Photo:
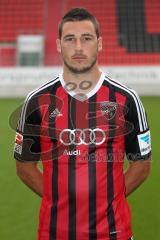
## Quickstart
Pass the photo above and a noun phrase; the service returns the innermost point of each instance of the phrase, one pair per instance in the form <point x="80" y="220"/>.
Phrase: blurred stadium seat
<point x="131" y="29"/>
<point x="19" y="17"/>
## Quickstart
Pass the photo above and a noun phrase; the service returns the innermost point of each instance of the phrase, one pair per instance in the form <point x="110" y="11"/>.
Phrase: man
<point x="81" y="125"/>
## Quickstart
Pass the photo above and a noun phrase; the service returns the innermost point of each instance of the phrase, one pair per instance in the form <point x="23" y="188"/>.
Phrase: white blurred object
<point x="16" y="82"/>
<point x="30" y="50"/>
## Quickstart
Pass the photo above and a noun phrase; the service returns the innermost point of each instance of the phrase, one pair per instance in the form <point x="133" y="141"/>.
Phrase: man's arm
<point x="136" y="174"/>
<point x="31" y="175"/>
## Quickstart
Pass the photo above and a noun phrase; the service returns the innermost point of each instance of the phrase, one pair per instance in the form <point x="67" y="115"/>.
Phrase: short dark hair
<point x="78" y="14"/>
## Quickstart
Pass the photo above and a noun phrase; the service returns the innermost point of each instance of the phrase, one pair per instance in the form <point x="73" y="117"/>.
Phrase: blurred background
<point x="28" y="58"/>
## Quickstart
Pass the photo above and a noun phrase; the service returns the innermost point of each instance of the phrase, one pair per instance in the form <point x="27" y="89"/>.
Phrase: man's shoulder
<point x="122" y="88"/>
<point x="43" y="89"/>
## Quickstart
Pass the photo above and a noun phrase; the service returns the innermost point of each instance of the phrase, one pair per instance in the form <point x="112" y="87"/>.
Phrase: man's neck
<point x="88" y="79"/>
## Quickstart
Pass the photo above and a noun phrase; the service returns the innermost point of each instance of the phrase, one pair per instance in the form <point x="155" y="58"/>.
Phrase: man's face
<point x="79" y="46"/>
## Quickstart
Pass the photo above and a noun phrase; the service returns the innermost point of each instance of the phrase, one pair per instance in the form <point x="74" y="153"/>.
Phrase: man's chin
<point x="79" y="70"/>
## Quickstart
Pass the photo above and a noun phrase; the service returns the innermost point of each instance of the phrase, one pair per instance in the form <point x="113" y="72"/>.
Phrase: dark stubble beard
<point x="82" y="70"/>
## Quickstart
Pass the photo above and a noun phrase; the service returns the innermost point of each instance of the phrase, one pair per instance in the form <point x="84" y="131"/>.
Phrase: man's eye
<point x="69" y="39"/>
<point x="87" y="38"/>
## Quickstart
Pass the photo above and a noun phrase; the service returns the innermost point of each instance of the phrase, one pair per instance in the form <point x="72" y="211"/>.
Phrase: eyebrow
<point x="68" y="35"/>
<point x="83" y="35"/>
<point x="88" y="34"/>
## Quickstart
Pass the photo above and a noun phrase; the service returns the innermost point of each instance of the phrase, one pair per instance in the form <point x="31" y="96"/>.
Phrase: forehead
<point x="78" y="28"/>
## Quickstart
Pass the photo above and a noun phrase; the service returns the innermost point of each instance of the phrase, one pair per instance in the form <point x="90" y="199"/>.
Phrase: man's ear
<point x="100" y="44"/>
<point x="58" y="43"/>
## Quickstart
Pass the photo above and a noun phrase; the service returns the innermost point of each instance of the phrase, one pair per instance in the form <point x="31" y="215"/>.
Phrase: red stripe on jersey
<point x="46" y="157"/>
<point x="82" y="188"/>
<point x="62" y="206"/>
<point x="101" y="169"/>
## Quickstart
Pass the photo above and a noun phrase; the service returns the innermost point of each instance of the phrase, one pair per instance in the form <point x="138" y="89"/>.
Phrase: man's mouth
<point x="79" y="57"/>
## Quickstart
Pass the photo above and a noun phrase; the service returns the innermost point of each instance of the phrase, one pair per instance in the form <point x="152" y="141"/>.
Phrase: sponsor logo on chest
<point x="70" y="153"/>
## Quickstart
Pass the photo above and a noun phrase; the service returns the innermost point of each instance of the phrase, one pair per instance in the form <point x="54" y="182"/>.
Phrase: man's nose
<point x="78" y="44"/>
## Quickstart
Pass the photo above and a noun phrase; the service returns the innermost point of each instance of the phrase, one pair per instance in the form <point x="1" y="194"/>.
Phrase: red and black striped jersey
<point x="82" y="143"/>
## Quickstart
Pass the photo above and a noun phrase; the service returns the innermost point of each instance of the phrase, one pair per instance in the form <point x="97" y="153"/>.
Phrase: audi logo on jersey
<point x="85" y="136"/>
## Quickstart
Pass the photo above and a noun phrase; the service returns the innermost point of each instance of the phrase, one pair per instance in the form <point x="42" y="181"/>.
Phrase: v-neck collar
<point x="89" y="94"/>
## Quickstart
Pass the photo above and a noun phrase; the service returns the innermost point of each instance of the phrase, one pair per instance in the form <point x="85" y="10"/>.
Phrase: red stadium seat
<point x="121" y="44"/>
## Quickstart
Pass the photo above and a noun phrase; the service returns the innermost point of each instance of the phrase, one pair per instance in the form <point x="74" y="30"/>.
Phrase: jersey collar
<point x="89" y="94"/>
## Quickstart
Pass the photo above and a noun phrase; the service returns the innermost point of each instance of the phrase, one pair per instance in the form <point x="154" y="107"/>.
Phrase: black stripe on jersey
<point x="53" y="220"/>
<point x="110" y="184"/>
<point x="92" y="172"/>
<point x="72" y="172"/>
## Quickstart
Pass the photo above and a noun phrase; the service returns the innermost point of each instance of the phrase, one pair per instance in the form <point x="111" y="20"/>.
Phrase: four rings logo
<point x="85" y="136"/>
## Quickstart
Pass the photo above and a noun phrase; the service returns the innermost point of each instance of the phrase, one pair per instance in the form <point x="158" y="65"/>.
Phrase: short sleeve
<point x="27" y="140"/>
<point x="138" y="140"/>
